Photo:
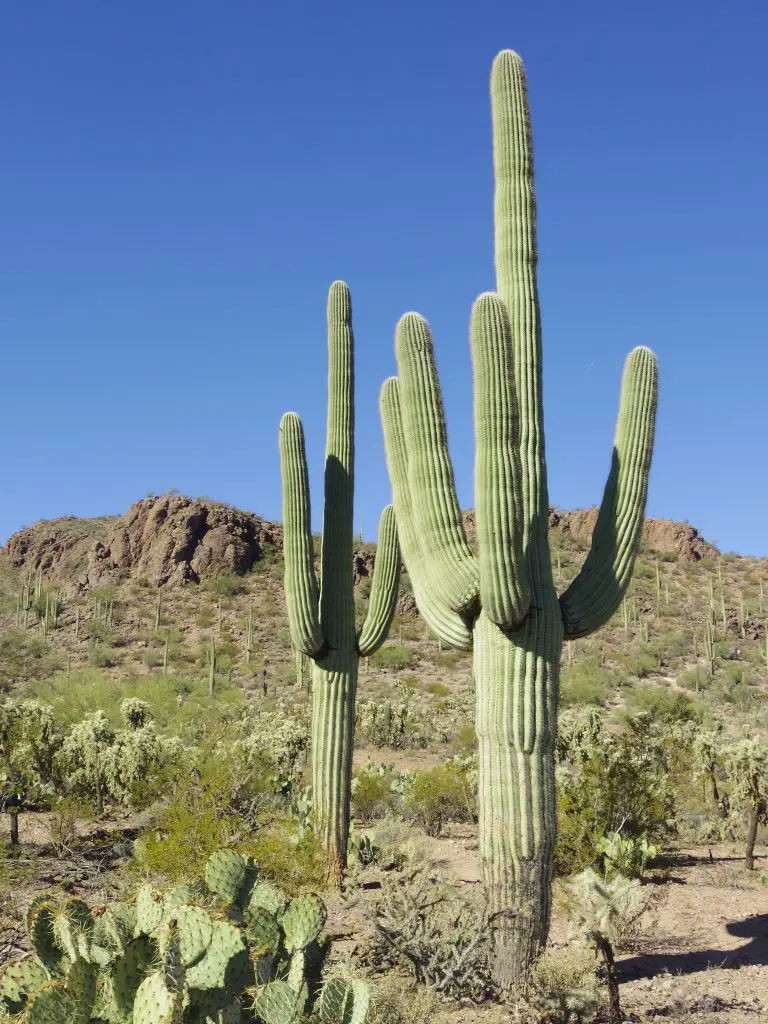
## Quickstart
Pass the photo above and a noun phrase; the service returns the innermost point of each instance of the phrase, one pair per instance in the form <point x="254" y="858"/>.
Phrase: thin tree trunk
<point x="14" y="828"/>
<point x="754" y="820"/>
<point x="614" y="1005"/>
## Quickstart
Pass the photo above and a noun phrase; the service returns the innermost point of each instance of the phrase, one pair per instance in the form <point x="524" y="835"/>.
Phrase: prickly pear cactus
<point x="230" y="951"/>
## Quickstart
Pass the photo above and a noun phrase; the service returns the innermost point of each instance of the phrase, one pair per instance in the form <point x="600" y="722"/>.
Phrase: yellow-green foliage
<point x="445" y="793"/>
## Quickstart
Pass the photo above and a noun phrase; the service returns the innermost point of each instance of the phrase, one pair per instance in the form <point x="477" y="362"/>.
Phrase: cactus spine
<point x="502" y="602"/>
<point x="323" y="624"/>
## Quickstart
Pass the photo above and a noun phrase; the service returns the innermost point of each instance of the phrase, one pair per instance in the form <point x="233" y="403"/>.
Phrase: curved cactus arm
<point x="337" y="609"/>
<point x="516" y="258"/>
<point x="301" y="591"/>
<point x="386" y="579"/>
<point x="442" y="620"/>
<point x="596" y="593"/>
<point x="504" y="590"/>
<point x="435" y="506"/>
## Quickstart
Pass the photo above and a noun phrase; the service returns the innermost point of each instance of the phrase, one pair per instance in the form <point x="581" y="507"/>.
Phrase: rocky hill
<point x="170" y="540"/>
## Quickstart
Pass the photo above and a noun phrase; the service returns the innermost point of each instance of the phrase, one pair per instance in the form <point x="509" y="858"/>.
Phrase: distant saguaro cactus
<point x="502" y="600"/>
<point x="322" y="621"/>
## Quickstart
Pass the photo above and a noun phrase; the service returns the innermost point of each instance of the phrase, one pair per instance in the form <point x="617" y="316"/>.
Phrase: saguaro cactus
<point x="502" y="601"/>
<point x="322" y="621"/>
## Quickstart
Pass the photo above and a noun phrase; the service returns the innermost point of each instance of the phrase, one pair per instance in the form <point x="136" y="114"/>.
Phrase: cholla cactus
<point x="29" y="742"/>
<point x="323" y="623"/>
<point x="602" y="911"/>
<point x="135" y="712"/>
<point x="502" y="601"/>
<point x="747" y="769"/>
<point x="193" y="954"/>
<point x="101" y="763"/>
<point x="283" y="736"/>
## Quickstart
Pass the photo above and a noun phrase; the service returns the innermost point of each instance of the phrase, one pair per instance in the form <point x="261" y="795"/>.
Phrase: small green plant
<point x="445" y="793"/>
<point x="626" y="855"/>
<point x="585" y="683"/>
<point x="374" y="792"/>
<point x="226" y="584"/>
<point x="394" y="657"/>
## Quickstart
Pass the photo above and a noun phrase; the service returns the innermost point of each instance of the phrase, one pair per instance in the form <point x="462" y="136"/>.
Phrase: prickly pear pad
<point x="302" y="921"/>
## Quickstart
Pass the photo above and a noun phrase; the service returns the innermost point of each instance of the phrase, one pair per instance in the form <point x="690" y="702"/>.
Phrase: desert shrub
<point x="564" y="981"/>
<point x="396" y="1000"/>
<point x="437" y="689"/>
<point x="376" y="791"/>
<point x="217" y="804"/>
<point x="100" y="656"/>
<point x="587" y="682"/>
<point x="445" y="793"/>
<point x="179" y="704"/>
<point x="24" y="656"/>
<point x="639" y="663"/>
<point x="663" y="705"/>
<point x="292" y="858"/>
<point x="610" y="783"/>
<point x="431" y="927"/>
<point x="696" y="678"/>
<point x="450" y="659"/>
<point x="62" y="825"/>
<point x="226" y="584"/>
<point x="393" y="657"/>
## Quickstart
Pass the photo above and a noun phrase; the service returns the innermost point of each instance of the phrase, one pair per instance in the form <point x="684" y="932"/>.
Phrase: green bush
<point x="442" y="794"/>
<point x="663" y="705"/>
<point x="587" y="682"/>
<point x="608" y="783"/>
<point x="226" y="584"/>
<point x="372" y="793"/>
<point x="393" y="657"/>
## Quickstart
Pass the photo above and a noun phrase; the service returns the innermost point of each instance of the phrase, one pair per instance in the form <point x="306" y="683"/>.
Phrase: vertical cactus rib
<point x="301" y="591"/>
<point x="430" y="473"/>
<point x="386" y="580"/>
<point x="596" y="593"/>
<point x="442" y="620"/>
<point x="504" y="591"/>
<point x="516" y="258"/>
<point x="337" y="610"/>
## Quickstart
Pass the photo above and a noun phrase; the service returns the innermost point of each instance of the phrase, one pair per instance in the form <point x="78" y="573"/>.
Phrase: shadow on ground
<point x="755" y="951"/>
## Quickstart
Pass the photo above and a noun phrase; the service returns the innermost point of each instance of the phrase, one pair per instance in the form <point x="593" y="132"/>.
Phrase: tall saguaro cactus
<point x="501" y="601"/>
<point x="322" y="618"/>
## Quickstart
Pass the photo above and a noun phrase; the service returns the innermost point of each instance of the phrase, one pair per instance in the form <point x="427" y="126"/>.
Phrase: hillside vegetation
<point x="184" y="684"/>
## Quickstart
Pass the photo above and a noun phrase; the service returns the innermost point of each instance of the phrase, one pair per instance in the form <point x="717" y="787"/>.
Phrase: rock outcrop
<point x="659" y="535"/>
<point x="164" y="540"/>
<point x="172" y="540"/>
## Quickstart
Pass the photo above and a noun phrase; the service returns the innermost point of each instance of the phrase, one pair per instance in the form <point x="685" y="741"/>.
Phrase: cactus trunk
<point x="334" y="685"/>
<point x="516" y="680"/>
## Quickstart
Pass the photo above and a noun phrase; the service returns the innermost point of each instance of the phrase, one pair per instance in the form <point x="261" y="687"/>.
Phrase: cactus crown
<point x="322" y="618"/>
<point x="510" y="574"/>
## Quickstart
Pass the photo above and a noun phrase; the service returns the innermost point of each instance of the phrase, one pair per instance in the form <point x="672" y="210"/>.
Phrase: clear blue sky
<point x="180" y="183"/>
